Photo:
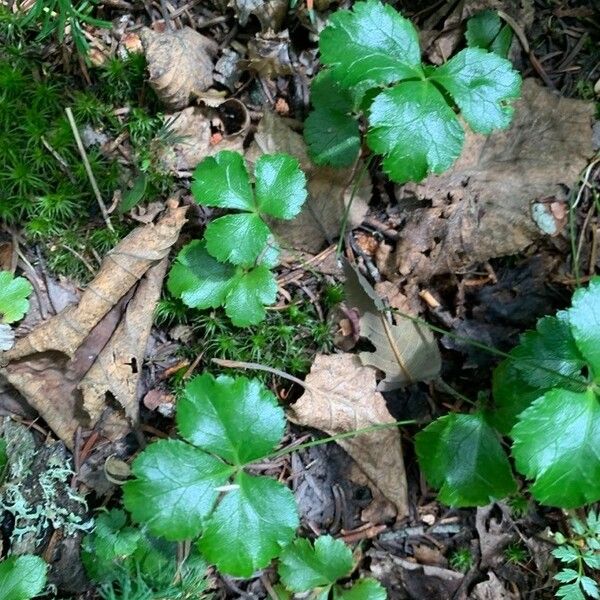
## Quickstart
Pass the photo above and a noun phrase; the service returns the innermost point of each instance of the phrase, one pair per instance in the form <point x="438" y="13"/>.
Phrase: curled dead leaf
<point x="341" y="396"/>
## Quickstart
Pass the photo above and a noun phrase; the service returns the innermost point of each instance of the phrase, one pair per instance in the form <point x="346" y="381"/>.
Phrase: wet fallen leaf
<point x="492" y="589"/>
<point x="179" y="63"/>
<point x="50" y="364"/>
<point x="268" y="54"/>
<point x="329" y="190"/>
<point x="481" y="208"/>
<point x="341" y="396"/>
<point x="270" y="13"/>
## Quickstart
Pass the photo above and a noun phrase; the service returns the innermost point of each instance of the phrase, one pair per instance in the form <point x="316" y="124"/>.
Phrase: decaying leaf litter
<point x="463" y="250"/>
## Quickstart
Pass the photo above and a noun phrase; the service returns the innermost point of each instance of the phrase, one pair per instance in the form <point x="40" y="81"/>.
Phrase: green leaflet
<point x="556" y="442"/>
<point x="304" y="567"/>
<point x="584" y="318"/>
<point x="22" y="577"/>
<point x="485" y="30"/>
<point x="14" y="294"/>
<point x="412" y="123"/>
<point x="462" y="455"/>
<point x="183" y="489"/>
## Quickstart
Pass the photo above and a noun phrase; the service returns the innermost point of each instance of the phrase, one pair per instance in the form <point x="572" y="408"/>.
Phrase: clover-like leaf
<point x="237" y="419"/>
<point x="22" y="577"/>
<point x="238" y="239"/>
<point x="461" y="454"/>
<point x="250" y="525"/>
<point x="584" y="318"/>
<point x="222" y="181"/>
<point x="14" y="294"/>
<point x="280" y="185"/>
<point x="373" y="43"/>
<point x="482" y="84"/>
<point x="364" y="589"/>
<point x="175" y="488"/>
<point x="303" y="567"/>
<point x="556" y="442"/>
<point x="485" y="30"/>
<point x="177" y="485"/>
<point x="201" y="282"/>
<point x="544" y="358"/>
<point x="330" y="130"/>
<point x="416" y="130"/>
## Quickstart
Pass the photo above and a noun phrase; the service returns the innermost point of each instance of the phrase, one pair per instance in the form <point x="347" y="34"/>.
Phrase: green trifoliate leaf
<point x="416" y="130"/>
<point x="556" y="442"/>
<point x="544" y="358"/>
<point x="22" y="577"/>
<point x="462" y="455"/>
<point x="363" y="589"/>
<point x="371" y="44"/>
<point x="303" y="566"/>
<point x="485" y="30"/>
<point x="280" y="185"/>
<point x="250" y="292"/>
<point x="482" y="84"/>
<point x="250" y="525"/>
<point x="331" y="132"/>
<point x="222" y="181"/>
<point x="198" y="279"/>
<point x="238" y="239"/>
<point x="201" y="282"/>
<point x="584" y="317"/>
<point x="14" y="294"/>
<point x="236" y="419"/>
<point x="175" y="488"/>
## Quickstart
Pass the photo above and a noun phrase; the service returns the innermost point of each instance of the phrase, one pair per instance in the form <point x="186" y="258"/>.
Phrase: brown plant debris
<point x="52" y="365"/>
<point x="482" y="207"/>
<point x="180" y="64"/>
<point x="341" y="396"/>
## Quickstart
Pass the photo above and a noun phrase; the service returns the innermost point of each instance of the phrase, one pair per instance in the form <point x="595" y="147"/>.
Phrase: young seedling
<point x="232" y="266"/>
<point x="304" y="567"/>
<point x="373" y="68"/>
<point x="199" y="486"/>
<point x="22" y="577"/>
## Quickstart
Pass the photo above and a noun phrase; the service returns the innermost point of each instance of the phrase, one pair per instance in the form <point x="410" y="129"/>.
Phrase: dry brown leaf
<point x="493" y="589"/>
<point x="268" y="54"/>
<point x="341" y="396"/>
<point x="270" y="13"/>
<point x="179" y="63"/>
<point x="482" y="207"/>
<point x="47" y="365"/>
<point x="193" y="129"/>
<point x="329" y="190"/>
<point x="406" y="352"/>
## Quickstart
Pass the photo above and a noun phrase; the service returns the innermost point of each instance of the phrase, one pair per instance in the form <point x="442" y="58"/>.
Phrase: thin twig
<point x="236" y="364"/>
<point x="88" y="168"/>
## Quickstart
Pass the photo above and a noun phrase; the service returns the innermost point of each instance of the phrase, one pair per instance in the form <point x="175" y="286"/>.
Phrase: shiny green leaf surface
<point x="250" y="292"/>
<point x="363" y="589"/>
<point x="22" y="577"/>
<point x="584" y="317"/>
<point x="14" y="294"/>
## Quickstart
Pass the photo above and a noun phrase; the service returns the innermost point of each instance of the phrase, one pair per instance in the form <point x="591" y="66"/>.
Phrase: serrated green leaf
<point x="584" y="317"/>
<point x="589" y="586"/>
<point x="416" y="130"/>
<point x="373" y="43"/>
<point x="239" y="239"/>
<point x="482" y="29"/>
<point x="571" y="591"/>
<point x="482" y="84"/>
<point x="330" y="130"/>
<point x="14" y="294"/>
<point x="461" y="454"/>
<point x="248" y="295"/>
<point x="175" y="488"/>
<point x="565" y="553"/>
<point x="22" y="577"/>
<point x="556" y="442"/>
<point x="501" y="45"/>
<point x="198" y="279"/>
<point x="363" y="589"/>
<point x="592" y="560"/>
<point x="566" y="575"/>
<point x="237" y="419"/>
<point x="303" y="566"/>
<point x="280" y="185"/>
<point x="222" y="181"/>
<point x="250" y="525"/>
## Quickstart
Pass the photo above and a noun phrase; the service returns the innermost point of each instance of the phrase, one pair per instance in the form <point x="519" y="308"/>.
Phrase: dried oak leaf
<point x="341" y="396"/>
<point x="329" y="190"/>
<point x="482" y="207"/>
<point x="48" y="365"/>
<point x="180" y="64"/>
